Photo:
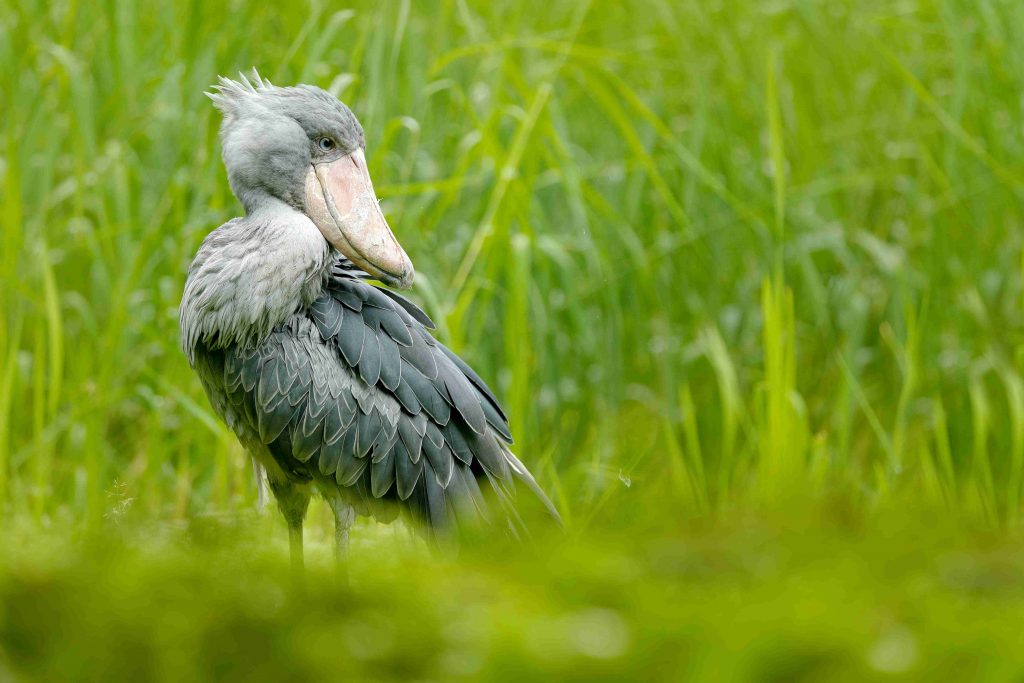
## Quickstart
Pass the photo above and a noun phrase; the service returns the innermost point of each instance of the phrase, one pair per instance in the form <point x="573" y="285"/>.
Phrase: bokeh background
<point x="747" y="276"/>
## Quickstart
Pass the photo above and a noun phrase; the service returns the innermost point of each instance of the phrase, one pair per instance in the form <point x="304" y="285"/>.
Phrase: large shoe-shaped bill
<point x="341" y="203"/>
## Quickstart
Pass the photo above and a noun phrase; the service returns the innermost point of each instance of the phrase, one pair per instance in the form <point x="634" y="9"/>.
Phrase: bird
<point x="334" y="384"/>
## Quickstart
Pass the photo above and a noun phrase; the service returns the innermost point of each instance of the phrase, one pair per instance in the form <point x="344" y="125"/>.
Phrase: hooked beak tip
<point x="402" y="280"/>
<point x="405" y="280"/>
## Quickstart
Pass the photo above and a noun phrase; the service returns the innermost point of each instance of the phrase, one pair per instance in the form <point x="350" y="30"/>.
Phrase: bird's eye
<point x="325" y="144"/>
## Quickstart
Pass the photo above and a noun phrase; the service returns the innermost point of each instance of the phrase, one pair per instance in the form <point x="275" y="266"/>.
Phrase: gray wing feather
<point x="407" y="470"/>
<point x="369" y="363"/>
<point x="351" y="337"/>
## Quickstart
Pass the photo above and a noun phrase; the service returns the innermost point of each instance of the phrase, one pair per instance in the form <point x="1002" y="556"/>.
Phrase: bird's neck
<point x="252" y="274"/>
<point x="257" y="200"/>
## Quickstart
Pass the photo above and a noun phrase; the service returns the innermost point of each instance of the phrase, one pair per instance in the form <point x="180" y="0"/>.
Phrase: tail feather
<point x="524" y="476"/>
<point x="462" y="502"/>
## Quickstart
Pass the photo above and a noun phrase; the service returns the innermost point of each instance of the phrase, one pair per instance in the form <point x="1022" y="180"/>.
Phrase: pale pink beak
<point x="341" y="203"/>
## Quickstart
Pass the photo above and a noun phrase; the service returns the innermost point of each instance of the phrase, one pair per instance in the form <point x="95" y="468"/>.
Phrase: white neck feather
<point x="250" y="275"/>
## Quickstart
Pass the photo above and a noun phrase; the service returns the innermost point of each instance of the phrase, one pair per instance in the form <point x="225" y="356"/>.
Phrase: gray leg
<point x="295" y="547"/>
<point x="260" y="473"/>
<point x="344" y="516"/>
<point x="293" y="501"/>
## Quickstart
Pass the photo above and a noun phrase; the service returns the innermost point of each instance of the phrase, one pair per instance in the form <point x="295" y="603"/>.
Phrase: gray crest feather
<point x="229" y="96"/>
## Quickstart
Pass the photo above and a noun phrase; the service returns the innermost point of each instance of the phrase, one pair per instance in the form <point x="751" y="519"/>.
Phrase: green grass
<point x="731" y="266"/>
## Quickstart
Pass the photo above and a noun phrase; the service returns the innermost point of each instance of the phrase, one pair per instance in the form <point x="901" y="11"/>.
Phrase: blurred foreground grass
<point x="800" y="595"/>
<point x="726" y="263"/>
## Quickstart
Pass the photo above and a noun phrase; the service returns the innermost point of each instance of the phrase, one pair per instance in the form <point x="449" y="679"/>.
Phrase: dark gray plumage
<point x="331" y="383"/>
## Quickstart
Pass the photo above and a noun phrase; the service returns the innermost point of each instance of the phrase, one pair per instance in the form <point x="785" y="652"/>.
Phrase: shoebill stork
<point x="334" y="385"/>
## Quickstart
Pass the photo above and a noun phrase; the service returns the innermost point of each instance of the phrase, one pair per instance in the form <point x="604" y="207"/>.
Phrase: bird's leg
<point x="295" y="548"/>
<point x="344" y="516"/>
<point x="260" y="473"/>
<point x="293" y="501"/>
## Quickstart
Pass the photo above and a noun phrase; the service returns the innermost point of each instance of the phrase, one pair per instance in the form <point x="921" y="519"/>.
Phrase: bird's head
<point x="302" y="146"/>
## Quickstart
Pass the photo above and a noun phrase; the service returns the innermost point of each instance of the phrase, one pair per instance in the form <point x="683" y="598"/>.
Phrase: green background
<point x="746" y="275"/>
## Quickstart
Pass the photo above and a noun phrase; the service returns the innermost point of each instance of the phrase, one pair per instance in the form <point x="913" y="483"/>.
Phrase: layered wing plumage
<point x="357" y="391"/>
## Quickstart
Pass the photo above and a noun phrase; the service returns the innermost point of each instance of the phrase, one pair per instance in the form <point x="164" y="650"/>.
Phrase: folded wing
<point x="357" y="390"/>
